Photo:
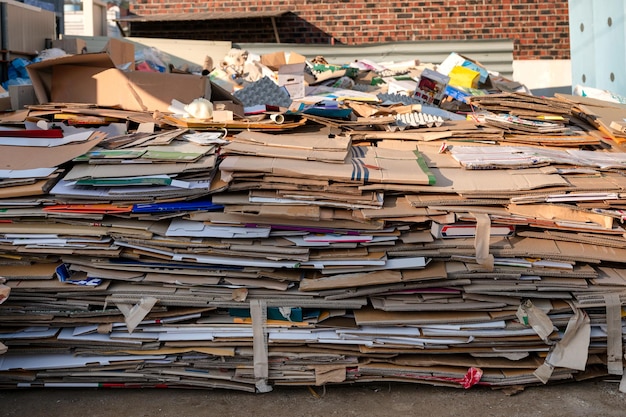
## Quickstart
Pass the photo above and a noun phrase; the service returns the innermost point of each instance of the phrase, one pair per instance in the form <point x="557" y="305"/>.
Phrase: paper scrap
<point x="104" y="328"/>
<point x="285" y="312"/>
<point x="135" y="314"/>
<point x="572" y="350"/>
<point x="329" y="373"/>
<point x="536" y="318"/>
<point x="4" y="293"/>
<point x="239" y="294"/>
<point x="614" y="334"/>
<point x="258" y="313"/>
<point x="481" y="241"/>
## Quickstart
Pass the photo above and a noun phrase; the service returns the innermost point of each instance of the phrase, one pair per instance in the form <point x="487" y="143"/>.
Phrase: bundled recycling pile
<point x="454" y="233"/>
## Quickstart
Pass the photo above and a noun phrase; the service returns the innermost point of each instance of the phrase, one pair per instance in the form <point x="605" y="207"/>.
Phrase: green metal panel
<point x="495" y="55"/>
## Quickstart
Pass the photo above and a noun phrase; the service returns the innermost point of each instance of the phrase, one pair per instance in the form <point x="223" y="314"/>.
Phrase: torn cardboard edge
<point x="258" y="312"/>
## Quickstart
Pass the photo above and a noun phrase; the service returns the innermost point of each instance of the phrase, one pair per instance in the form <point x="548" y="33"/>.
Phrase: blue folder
<point x="176" y="206"/>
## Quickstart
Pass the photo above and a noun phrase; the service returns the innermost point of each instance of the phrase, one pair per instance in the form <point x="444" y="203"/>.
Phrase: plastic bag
<point x="16" y="73"/>
<point x="151" y="60"/>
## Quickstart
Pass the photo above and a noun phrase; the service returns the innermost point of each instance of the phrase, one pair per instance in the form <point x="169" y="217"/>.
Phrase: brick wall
<point x="540" y="29"/>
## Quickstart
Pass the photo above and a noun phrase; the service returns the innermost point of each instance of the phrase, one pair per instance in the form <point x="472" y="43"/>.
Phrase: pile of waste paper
<point x="290" y="221"/>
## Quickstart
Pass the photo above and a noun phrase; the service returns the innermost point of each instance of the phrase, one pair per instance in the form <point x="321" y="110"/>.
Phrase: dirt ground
<point x="590" y="398"/>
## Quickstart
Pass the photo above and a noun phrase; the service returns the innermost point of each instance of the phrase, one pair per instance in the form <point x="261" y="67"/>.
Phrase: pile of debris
<point x="320" y="224"/>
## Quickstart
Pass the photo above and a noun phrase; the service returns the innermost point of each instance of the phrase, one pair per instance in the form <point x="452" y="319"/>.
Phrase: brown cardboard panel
<point x="394" y="207"/>
<point x="81" y="171"/>
<point x="93" y="78"/>
<point x="549" y="249"/>
<point x="467" y="361"/>
<point x="330" y="224"/>
<point x="556" y="212"/>
<point x="277" y="211"/>
<point x="33" y="271"/>
<point x="350" y="280"/>
<point x="302" y="141"/>
<point x="434" y="270"/>
<point x="122" y="53"/>
<point x="238" y="148"/>
<point x="137" y="90"/>
<point x="110" y="274"/>
<point x="372" y="165"/>
<point x="385" y="304"/>
<point x="38" y="188"/>
<point x="461" y="181"/>
<point x="29" y="157"/>
<point x="376" y="317"/>
<point x="179" y="279"/>
<point x="53" y="285"/>
<point x="610" y="277"/>
<point x="64" y="229"/>
<point x="14" y="117"/>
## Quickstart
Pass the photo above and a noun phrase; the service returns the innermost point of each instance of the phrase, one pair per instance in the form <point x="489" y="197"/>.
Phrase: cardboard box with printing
<point x="295" y="79"/>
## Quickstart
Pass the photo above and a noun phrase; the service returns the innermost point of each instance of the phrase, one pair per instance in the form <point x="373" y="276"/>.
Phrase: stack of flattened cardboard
<point x="485" y="251"/>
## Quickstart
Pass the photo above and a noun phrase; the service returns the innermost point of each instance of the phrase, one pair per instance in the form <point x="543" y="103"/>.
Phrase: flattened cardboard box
<point x="93" y="79"/>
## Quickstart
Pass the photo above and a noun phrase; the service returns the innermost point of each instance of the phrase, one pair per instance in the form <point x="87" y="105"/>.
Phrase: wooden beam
<point x="273" y="19"/>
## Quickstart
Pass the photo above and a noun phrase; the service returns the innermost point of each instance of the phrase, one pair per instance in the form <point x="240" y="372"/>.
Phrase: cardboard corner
<point x="295" y="58"/>
<point x="122" y="53"/>
<point x="274" y="60"/>
<point x="40" y="73"/>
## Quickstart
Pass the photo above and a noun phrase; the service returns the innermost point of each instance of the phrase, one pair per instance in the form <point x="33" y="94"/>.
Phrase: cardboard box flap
<point x="275" y="60"/>
<point x="219" y="93"/>
<point x="122" y="53"/>
<point x="41" y="76"/>
<point x="143" y="91"/>
<point x="93" y="79"/>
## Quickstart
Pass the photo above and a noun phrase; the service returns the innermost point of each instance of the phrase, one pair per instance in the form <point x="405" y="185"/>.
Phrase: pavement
<point x="572" y="399"/>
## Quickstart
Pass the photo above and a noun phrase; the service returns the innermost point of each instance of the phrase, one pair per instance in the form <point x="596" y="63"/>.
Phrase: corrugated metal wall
<point x="495" y="55"/>
<point x="25" y="28"/>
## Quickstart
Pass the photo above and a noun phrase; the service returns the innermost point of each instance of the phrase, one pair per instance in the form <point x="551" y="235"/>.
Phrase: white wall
<point x="544" y="74"/>
<point x="76" y="25"/>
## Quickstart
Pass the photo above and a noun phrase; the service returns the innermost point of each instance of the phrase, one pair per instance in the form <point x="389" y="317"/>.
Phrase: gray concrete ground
<point x="589" y="398"/>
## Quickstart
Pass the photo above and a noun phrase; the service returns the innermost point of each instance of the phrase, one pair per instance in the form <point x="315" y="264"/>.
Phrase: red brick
<point x="370" y="21"/>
